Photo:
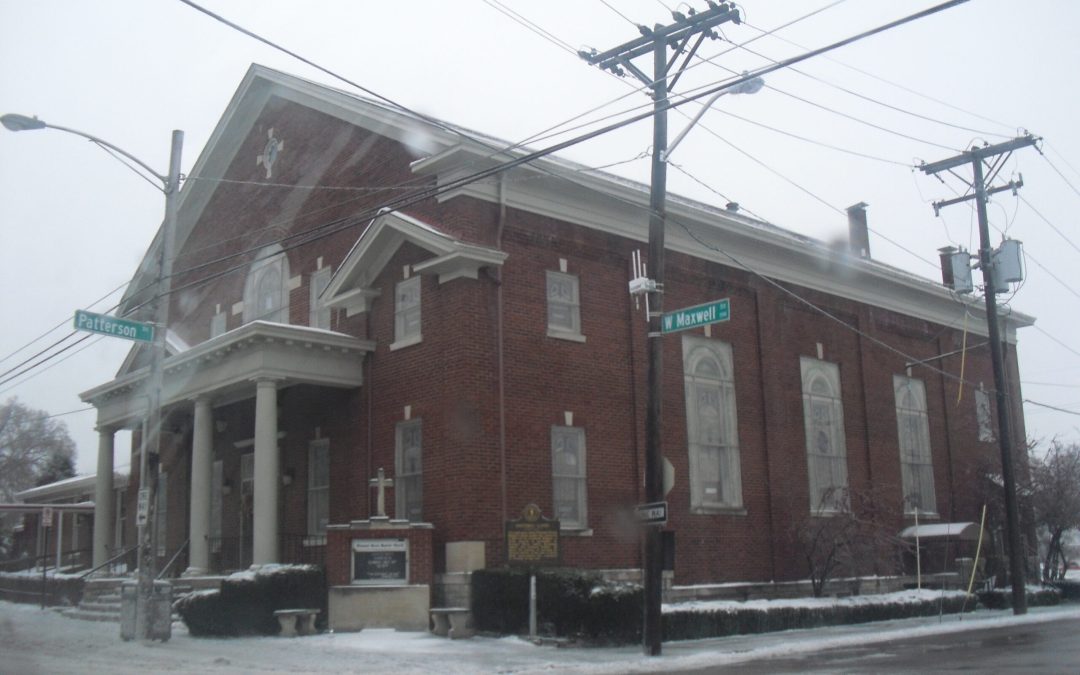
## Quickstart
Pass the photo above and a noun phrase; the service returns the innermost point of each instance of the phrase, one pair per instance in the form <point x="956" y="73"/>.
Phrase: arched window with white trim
<point x="266" y="290"/>
<point x="913" y="430"/>
<point x="711" y="425"/>
<point x="826" y="449"/>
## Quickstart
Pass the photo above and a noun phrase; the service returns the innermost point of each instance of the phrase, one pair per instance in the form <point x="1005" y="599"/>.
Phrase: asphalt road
<point x="1051" y="647"/>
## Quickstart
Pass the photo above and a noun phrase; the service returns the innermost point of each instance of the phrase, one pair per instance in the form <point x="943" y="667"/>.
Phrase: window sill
<point x="710" y="510"/>
<point x="927" y="515"/>
<point x="406" y="342"/>
<point x="575" y="531"/>
<point x="565" y="335"/>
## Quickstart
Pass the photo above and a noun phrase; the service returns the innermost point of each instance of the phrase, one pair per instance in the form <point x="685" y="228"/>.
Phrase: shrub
<point x="1037" y="596"/>
<point x="247" y="600"/>
<point x="59" y="590"/>
<point x="1070" y="589"/>
<point x="570" y="603"/>
<point x="730" y="619"/>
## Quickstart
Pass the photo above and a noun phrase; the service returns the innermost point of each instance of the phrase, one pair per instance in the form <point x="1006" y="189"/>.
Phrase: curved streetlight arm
<point x="752" y="86"/>
<point x="16" y="122"/>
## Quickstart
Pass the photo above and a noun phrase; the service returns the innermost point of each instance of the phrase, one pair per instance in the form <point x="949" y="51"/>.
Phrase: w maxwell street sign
<point x="698" y="315"/>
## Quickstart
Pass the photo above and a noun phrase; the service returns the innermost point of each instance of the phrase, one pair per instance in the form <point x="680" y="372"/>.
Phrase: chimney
<point x="858" y="236"/>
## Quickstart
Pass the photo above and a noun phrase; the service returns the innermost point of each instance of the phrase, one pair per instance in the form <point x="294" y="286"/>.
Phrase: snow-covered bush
<point x="246" y="602"/>
<point x="1037" y="596"/>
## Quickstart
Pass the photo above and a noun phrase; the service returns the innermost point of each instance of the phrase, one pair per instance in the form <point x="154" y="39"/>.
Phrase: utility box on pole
<point x="159" y="610"/>
<point x="1008" y="265"/>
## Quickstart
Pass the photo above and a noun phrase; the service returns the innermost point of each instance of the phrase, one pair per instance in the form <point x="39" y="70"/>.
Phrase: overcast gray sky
<point x="75" y="222"/>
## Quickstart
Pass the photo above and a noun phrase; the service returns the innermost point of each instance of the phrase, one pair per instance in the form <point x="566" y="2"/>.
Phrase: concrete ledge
<point x="353" y="608"/>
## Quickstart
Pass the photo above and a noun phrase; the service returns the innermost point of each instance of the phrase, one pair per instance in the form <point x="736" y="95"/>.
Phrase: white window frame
<point x="269" y="261"/>
<point x="318" y="312"/>
<point x="318" y="488"/>
<point x="218" y="324"/>
<point x="719" y="435"/>
<point x="407" y="317"/>
<point x="570" y="328"/>
<point x="408" y="477"/>
<point x="826" y="446"/>
<point x="913" y="435"/>
<point x="571" y="476"/>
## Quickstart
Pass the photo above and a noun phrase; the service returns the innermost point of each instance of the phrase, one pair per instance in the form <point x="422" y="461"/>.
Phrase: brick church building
<point x="479" y="345"/>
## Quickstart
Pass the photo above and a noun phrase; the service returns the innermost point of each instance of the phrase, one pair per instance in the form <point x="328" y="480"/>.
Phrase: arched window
<point x="826" y="451"/>
<point x="913" y="430"/>
<point x="711" y="425"/>
<point x="266" y="291"/>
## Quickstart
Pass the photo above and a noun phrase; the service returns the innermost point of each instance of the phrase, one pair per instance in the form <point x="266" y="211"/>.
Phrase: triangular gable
<point x="352" y="286"/>
<point x="134" y="360"/>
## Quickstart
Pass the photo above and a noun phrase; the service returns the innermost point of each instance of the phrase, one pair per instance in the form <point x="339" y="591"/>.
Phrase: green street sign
<point x="698" y="315"/>
<point x="110" y="325"/>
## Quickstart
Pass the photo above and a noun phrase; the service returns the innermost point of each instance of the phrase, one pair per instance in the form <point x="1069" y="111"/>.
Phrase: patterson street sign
<point x="110" y="325"/>
<point x="698" y="315"/>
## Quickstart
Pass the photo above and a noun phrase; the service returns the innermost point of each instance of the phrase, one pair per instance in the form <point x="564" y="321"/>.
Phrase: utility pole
<point x="151" y="440"/>
<point x="657" y="40"/>
<point x="979" y="192"/>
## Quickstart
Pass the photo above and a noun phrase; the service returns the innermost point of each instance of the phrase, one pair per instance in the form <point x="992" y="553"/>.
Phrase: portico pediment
<point x="352" y="286"/>
<point x="227" y="366"/>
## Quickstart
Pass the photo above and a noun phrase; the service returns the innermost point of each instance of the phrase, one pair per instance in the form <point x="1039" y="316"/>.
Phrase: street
<point x="35" y="641"/>
<point x="1049" y="647"/>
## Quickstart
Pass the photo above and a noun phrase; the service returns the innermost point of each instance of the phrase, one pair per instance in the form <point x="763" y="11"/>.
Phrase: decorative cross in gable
<point x="270" y="153"/>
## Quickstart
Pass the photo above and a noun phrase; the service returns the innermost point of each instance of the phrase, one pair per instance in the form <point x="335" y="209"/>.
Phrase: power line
<point x="890" y="82"/>
<point x="1051" y="407"/>
<point x="1070" y="242"/>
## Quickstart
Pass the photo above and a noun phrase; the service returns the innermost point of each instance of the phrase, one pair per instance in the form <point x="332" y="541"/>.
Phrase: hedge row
<point x="583" y="605"/>
<point x="570" y="603"/>
<point x="61" y="590"/>
<point x="1037" y="596"/>
<point x="695" y="624"/>
<point x="1070" y="588"/>
<point x="246" y="602"/>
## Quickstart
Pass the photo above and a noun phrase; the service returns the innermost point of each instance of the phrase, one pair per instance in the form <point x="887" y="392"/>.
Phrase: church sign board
<point x="532" y="540"/>
<point x="380" y="562"/>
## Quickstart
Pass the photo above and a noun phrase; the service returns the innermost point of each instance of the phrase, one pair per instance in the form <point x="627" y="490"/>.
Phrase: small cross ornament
<point x="381" y="482"/>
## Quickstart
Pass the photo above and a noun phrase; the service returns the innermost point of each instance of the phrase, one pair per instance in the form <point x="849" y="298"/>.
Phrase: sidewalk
<point x="44" y="641"/>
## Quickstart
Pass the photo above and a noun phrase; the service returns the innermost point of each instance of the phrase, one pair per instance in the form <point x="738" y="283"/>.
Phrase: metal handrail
<point x="174" y="558"/>
<point x="109" y="561"/>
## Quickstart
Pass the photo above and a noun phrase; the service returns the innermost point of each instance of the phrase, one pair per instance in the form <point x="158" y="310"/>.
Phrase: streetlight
<point x="751" y="86"/>
<point x="148" y="464"/>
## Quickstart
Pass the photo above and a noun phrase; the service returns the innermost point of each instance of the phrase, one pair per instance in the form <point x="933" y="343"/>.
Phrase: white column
<point x="265" y="527"/>
<point x="202" y="442"/>
<point x="103" y="497"/>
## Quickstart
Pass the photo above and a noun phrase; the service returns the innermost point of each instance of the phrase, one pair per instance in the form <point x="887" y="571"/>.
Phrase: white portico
<point x="255" y="360"/>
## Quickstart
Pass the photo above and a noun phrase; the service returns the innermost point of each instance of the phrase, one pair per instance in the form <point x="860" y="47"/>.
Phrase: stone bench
<point x="452" y="622"/>
<point x="296" y="621"/>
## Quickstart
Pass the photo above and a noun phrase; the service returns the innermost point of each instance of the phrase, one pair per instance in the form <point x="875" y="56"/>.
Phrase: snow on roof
<point x="961" y="530"/>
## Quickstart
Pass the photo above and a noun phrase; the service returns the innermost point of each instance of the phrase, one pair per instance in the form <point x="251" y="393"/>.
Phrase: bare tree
<point x="33" y="447"/>
<point x="1055" y="496"/>
<point x="857" y="538"/>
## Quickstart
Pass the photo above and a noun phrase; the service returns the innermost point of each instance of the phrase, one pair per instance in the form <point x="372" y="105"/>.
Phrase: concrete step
<point x="88" y="615"/>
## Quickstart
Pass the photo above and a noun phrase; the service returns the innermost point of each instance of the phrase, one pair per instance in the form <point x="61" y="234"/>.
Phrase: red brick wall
<point x="339" y="552"/>
<point x="450" y="379"/>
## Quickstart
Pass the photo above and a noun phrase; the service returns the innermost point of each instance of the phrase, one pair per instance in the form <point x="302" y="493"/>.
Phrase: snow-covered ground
<point x="43" y="641"/>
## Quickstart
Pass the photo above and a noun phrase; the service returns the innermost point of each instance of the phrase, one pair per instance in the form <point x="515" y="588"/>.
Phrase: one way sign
<point x="652" y="514"/>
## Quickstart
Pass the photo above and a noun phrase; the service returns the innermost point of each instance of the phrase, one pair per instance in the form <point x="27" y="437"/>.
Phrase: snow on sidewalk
<point x="37" y="641"/>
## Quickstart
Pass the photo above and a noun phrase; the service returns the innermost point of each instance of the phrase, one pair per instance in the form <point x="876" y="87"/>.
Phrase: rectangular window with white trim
<point x="826" y="448"/>
<point x="407" y="312"/>
<point x="913" y="430"/>
<point x="409" y="471"/>
<point x="563" y="305"/>
<point x="318" y="502"/>
<point x="711" y="425"/>
<point x="568" y="477"/>
<point x="319" y="313"/>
